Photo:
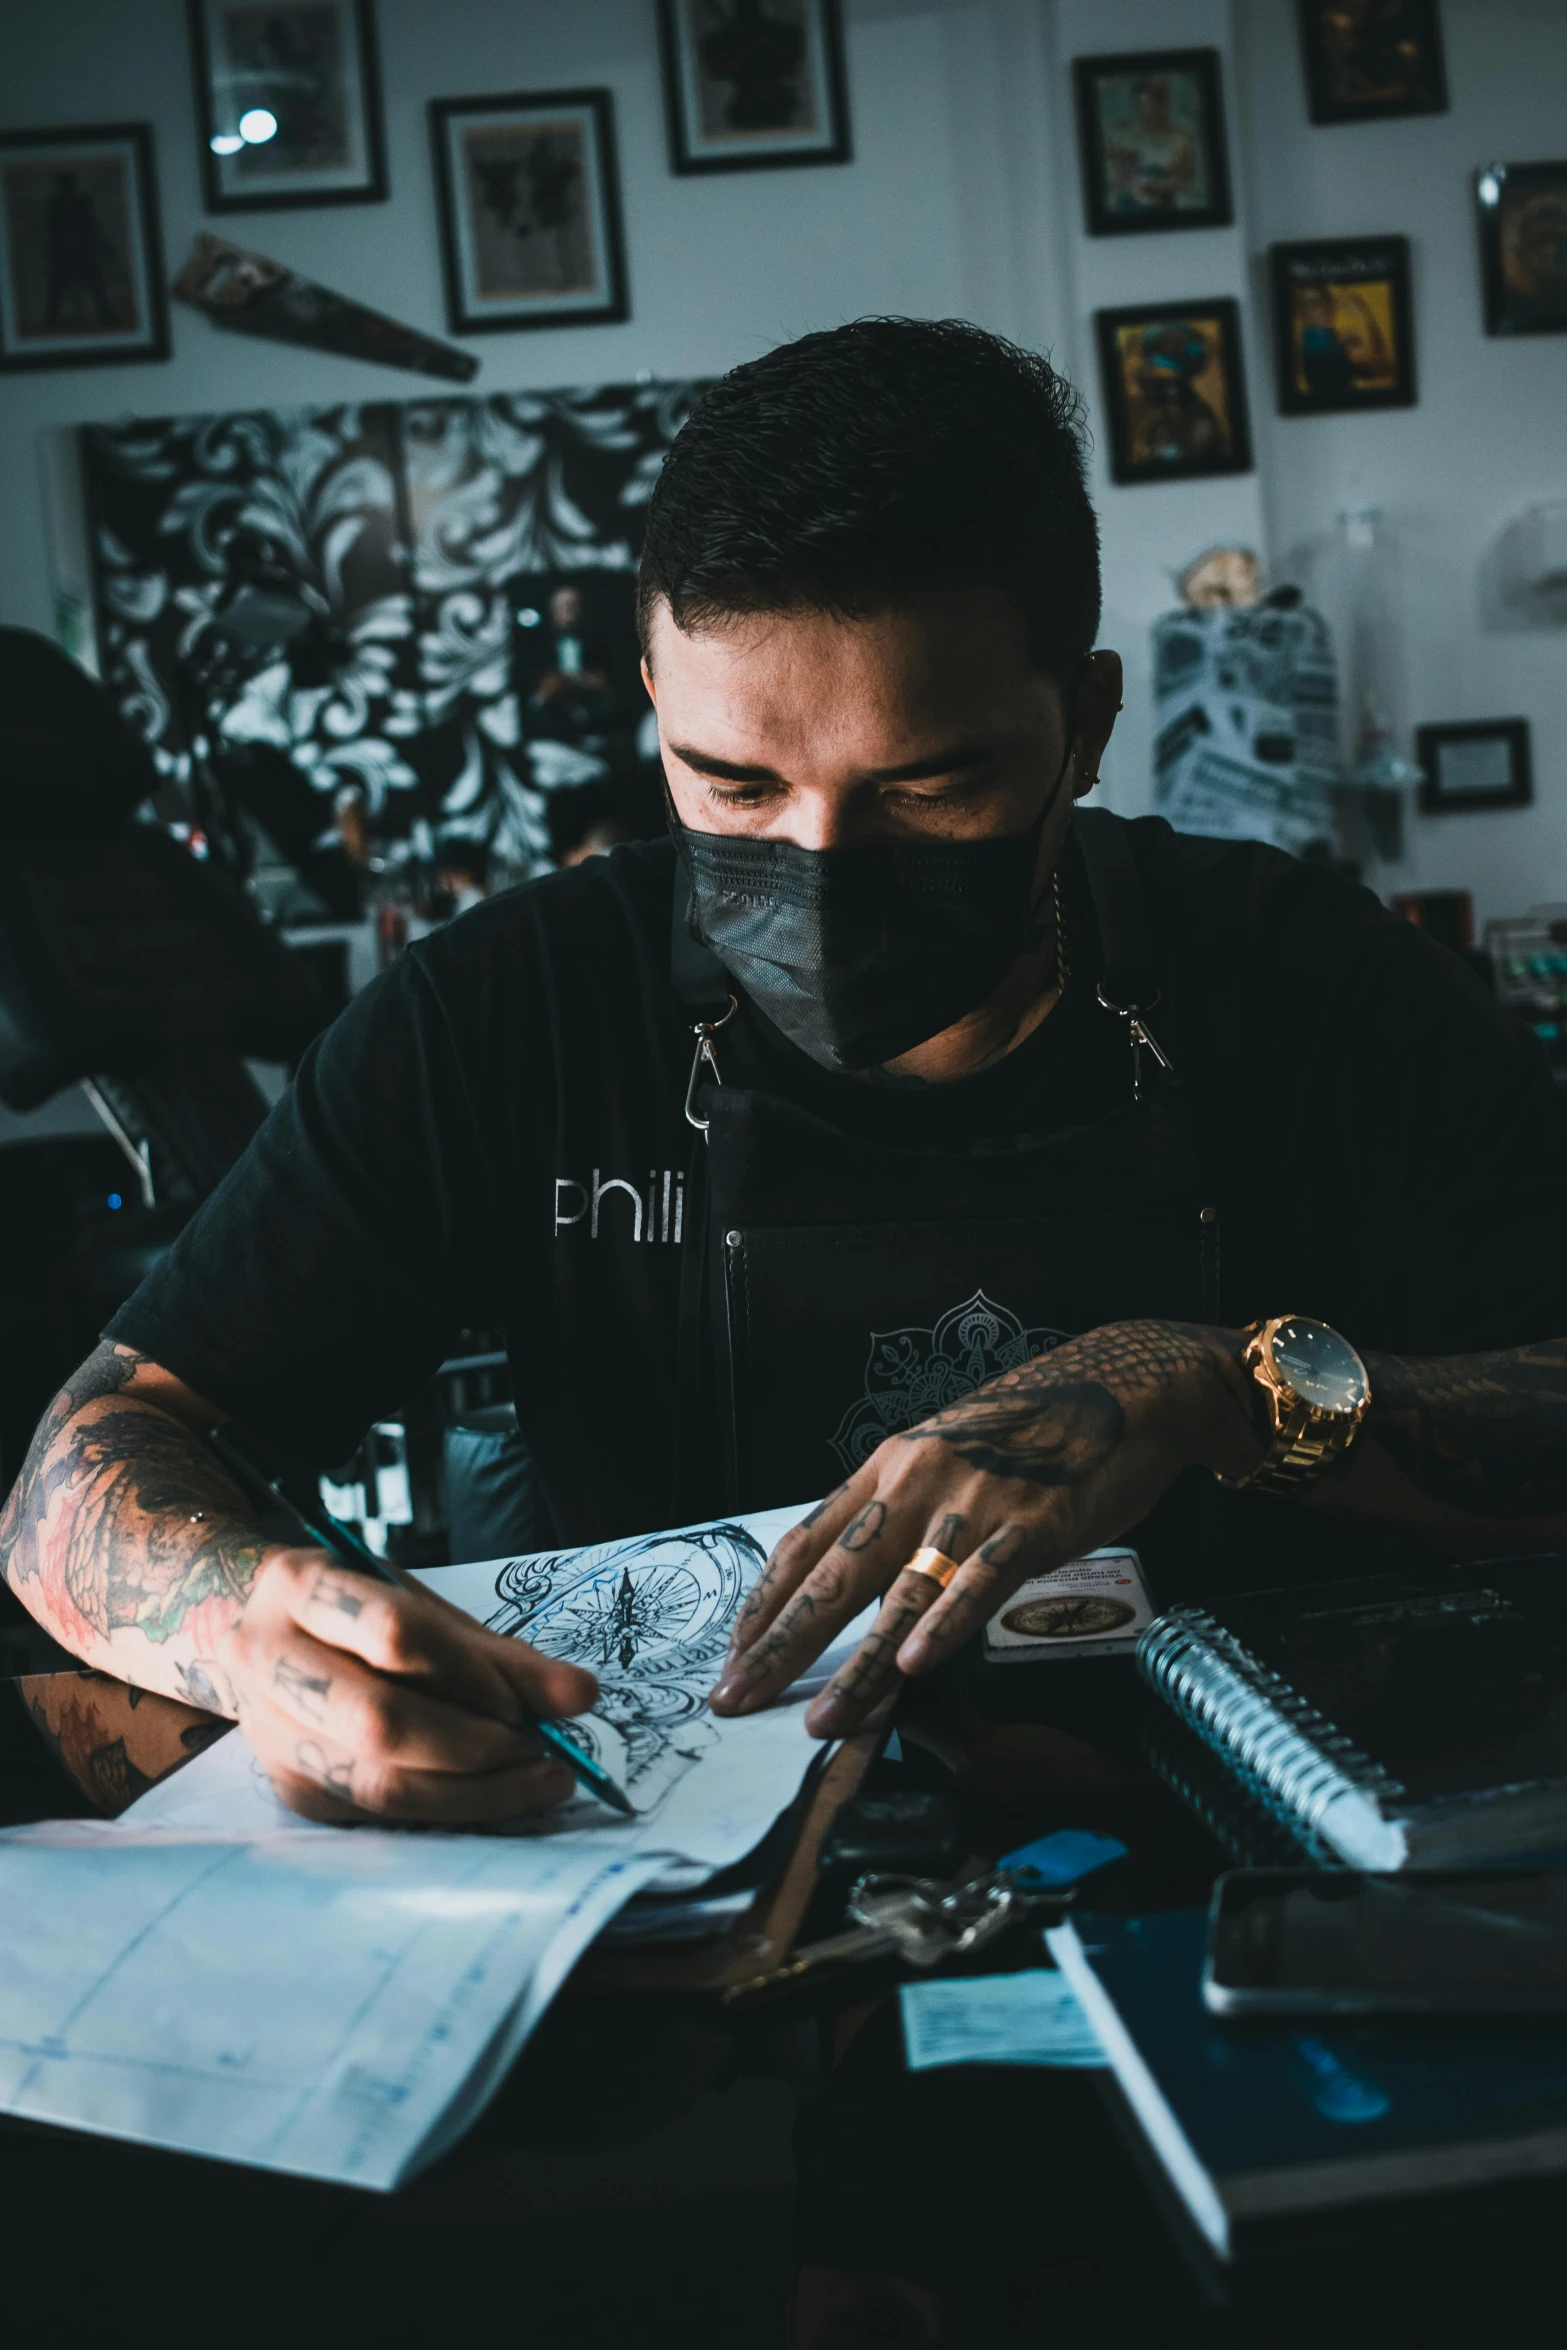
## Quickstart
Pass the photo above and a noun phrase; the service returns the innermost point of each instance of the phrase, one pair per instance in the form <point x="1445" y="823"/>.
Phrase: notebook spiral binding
<point x="1299" y="1762"/>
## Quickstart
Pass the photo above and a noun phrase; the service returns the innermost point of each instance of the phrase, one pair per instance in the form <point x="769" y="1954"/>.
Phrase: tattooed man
<point x="1005" y="1124"/>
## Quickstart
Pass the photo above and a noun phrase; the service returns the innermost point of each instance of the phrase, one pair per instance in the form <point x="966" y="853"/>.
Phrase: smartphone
<point x="1314" y="1942"/>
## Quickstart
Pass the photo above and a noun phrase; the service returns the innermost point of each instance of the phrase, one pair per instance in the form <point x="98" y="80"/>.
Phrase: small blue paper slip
<point x="1028" y="2018"/>
<point x="1063" y="1858"/>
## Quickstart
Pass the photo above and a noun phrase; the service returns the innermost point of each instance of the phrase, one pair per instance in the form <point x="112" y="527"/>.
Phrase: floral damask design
<point x="421" y="533"/>
<point x="911" y="1373"/>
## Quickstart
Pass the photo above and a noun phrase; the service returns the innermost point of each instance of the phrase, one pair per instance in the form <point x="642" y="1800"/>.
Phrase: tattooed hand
<point x="365" y="1701"/>
<point x="1042" y="1464"/>
<point x="133" y="1546"/>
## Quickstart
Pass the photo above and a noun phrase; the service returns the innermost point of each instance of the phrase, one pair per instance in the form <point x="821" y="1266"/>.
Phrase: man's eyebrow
<point x="951" y="761"/>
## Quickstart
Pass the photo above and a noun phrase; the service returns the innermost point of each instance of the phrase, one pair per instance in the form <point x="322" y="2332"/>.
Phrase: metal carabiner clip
<point x="704" y="1031"/>
<point x="1138" y="1034"/>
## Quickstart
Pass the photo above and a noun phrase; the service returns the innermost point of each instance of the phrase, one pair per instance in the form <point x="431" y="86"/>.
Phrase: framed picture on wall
<point x="748" y="88"/>
<point x="1150" y="129"/>
<point x="1468" y="768"/>
<point x="530" y="210"/>
<point x="1368" y="59"/>
<point x="288" y="98"/>
<point x="1523" y="247"/>
<point x="1174" y="390"/>
<point x="81" y="265"/>
<point x="1343" y="325"/>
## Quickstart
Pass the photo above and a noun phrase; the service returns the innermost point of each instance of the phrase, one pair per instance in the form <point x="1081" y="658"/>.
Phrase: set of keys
<point x="921" y="1921"/>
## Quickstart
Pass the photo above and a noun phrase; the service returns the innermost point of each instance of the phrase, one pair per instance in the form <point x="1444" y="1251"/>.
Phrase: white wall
<point x="962" y="198"/>
<point x="1489" y="435"/>
<point x="945" y="209"/>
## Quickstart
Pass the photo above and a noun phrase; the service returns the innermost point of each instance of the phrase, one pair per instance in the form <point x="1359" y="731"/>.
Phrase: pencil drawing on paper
<point x="651" y="1618"/>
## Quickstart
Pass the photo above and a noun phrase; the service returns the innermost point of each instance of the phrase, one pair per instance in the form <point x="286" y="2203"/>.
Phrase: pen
<point x="349" y="1551"/>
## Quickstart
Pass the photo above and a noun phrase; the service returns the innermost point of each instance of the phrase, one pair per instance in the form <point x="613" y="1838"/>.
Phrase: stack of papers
<point x="211" y="1973"/>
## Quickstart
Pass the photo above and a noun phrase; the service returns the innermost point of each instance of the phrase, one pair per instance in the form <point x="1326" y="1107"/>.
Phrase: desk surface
<point x="652" y="2172"/>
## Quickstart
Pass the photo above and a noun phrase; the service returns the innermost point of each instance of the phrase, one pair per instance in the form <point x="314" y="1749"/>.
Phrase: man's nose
<point x="827" y="820"/>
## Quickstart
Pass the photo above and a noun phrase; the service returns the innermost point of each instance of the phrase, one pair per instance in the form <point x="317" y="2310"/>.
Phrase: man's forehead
<point x="905" y="669"/>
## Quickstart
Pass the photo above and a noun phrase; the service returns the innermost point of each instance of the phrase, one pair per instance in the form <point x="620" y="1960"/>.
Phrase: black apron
<point x="849" y="1288"/>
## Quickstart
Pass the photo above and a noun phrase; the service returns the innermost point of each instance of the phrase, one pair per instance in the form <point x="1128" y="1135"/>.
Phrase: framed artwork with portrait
<point x="1150" y="129"/>
<point x="753" y="84"/>
<point x="288" y="97"/>
<point x="1523" y="247"/>
<point x="1368" y="59"/>
<point x="81" y="263"/>
<point x="1343" y="325"/>
<point x="1174" y="390"/>
<point x="1465" y="769"/>
<point x="530" y="210"/>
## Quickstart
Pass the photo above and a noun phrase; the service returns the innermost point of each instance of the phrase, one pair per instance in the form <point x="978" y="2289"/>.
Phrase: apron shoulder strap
<point x="1130" y="980"/>
<point x="695" y="973"/>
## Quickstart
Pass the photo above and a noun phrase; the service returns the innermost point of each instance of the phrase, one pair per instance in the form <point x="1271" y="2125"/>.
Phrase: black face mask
<point x="860" y="954"/>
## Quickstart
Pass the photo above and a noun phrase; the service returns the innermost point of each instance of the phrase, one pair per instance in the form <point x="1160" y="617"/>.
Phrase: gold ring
<point x="935" y="1564"/>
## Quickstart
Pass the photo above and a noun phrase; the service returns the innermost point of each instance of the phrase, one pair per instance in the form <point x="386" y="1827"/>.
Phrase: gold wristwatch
<point x="1317" y="1394"/>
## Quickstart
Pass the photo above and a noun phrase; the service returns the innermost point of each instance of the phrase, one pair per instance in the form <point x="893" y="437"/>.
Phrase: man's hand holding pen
<point x="367" y="1701"/>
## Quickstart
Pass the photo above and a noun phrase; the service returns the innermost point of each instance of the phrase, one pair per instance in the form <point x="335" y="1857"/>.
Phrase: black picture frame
<point x="1452" y="787"/>
<point x="1140" y="451"/>
<point x="588" y="118"/>
<point x="1343" y="325"/>
<point x="1093" y="78"/>
<point x="1524" y="284"/>
<point x="694" y="149"/>
<point x="118" y="250"/>
<point x="236" y="181"/>
<point x="1393" y="66"/>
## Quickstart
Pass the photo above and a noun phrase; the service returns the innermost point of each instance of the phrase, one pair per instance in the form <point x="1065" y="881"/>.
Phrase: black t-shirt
<point x="493" y="1135"/>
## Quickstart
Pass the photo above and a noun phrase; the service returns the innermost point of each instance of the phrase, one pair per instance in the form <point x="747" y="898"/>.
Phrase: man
<point x="888" y="1101"/>
<point x="567" y="690"/>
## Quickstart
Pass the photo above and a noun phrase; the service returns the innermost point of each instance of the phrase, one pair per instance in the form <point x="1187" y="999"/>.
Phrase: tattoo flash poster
<point x="428" y="537"/>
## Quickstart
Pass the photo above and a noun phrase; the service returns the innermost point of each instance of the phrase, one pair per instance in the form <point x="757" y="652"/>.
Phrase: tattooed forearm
<point x="1483" y="1433"/>
<point x="122" y="1523"/>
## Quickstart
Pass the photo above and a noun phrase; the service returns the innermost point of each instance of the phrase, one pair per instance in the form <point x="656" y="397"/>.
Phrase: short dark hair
<point x="854" y="472"/>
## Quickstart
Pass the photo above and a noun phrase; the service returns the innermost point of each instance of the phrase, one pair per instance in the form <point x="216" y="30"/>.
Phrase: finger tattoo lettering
<point x="307" y="1693"/>
<point x="1002" y="1549"/>
<point x="864" y="1528"/>
<point x="948" y="1537"/>
<point x="328" y="1590"/>
<point x="825" y="1504"/>
<point x="313" y="1762"/>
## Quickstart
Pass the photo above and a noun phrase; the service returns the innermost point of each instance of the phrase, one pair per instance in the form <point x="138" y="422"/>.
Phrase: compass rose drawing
<point x="651" y="1619"/>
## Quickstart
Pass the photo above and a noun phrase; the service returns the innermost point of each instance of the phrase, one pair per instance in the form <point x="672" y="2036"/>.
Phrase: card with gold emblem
<point x="1093" y="1606"/>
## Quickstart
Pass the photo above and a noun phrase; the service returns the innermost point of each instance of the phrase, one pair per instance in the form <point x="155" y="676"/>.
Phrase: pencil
<point x="349" y="1551"/>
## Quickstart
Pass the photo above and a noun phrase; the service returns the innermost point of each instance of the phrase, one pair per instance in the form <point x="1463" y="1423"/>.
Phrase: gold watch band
<point x="1306" y="1440"/>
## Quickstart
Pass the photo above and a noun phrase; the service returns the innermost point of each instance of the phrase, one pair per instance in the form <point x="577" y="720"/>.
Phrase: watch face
<point x="1321" y="1367"/>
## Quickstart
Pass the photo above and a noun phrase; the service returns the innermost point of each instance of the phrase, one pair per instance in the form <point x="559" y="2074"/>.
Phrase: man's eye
<point x="740" y="795"/>
<point x="948" y="794"/>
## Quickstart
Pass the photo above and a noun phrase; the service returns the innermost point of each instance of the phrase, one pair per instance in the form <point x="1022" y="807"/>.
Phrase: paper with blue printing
<point x="1028" y="2018"/>
<point x="212" y="1974"/>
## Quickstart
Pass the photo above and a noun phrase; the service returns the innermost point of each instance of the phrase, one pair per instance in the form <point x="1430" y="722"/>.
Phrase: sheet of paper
<point x="309" y="2004"/>
<point x="1028" y="2018"/>
<point x="213" y="1974"/>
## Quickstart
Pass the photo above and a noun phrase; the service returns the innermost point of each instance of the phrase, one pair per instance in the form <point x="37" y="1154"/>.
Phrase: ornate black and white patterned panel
<point x="420" y="531"/>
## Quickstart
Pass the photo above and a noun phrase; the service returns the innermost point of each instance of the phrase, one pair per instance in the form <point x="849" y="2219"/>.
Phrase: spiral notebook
<point x="1412" y="1719"/>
